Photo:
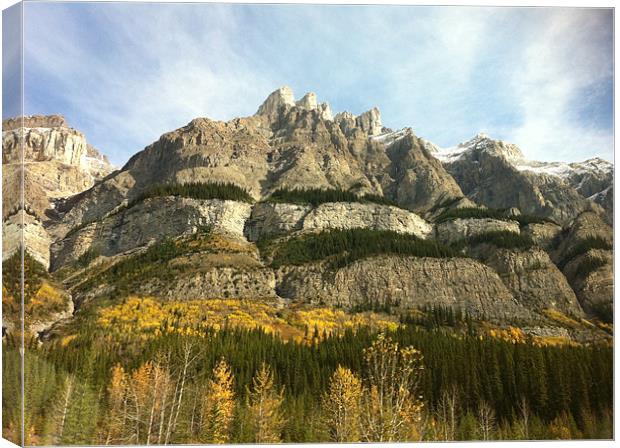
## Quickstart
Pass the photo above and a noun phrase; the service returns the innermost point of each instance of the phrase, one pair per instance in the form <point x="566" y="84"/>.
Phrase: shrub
<point x="470" y="212"/>
<point x="317" y="196"/>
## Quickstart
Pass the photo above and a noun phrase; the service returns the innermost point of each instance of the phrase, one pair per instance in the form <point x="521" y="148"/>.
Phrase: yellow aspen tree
<point x="116" y="419"/>
<point x="140" y="391"/>
<point x="342" y="406"/>
<point x="265" y="407"/>
<point x="219" y="405"/>
<point x="392" y="408"/>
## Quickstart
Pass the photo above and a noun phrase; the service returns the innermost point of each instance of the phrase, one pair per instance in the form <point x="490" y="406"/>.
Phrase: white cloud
<point x="159" y="77"/>
<point x="562" y="61"/>
<point x="164" y="65"/>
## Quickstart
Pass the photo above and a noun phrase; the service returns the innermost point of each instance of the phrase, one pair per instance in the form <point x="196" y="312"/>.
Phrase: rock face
<point x="151" y="221"/>
<point x="458" y="229"/>
<point x="588" y="270"/>
<point x="534" y="280"/>
<point x="585" y="226"/>
<point x="57" y="163"/>
<point x="402" y="281"/>
<point x="339" y="215"/>
<point x="22" y="225"/>
<point x="495" y="174"/>
<point x="273" y="219"/>
<point x="544" y="235"/>
<point x="591" y="276"/>
<point x="219" y="282"/>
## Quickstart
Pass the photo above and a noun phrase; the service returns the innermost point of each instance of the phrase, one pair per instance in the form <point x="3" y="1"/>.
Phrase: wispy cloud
<point x="126" y="73"/>
<point x="562" y="68"/>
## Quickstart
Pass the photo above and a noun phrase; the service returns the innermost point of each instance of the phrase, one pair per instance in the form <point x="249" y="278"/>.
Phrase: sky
<point x="125" y="73"/>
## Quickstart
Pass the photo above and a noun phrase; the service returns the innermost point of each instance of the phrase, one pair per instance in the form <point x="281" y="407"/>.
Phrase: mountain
<point x="496" y="174"/>
<point x="236" y="208"/>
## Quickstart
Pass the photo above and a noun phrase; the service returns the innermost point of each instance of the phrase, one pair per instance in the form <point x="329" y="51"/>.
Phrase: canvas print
<point x="229" y="223"/>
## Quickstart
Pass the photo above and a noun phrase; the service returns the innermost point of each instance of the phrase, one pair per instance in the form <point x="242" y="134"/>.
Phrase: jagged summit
<point x="283" y="98"/>
<point x="34" y="121"/>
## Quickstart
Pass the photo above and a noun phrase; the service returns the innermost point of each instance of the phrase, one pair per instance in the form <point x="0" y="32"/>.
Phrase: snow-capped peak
<point x="480" y="142"/>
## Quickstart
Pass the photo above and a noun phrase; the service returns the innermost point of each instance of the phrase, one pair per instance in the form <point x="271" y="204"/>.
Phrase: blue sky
<point x="126" y="73"/>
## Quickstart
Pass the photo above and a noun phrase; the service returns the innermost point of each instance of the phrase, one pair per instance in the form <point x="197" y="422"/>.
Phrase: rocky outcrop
<point x="587" y="265"/>
<point x="352" y="215"/>
<point x="276" y="103"/>
<point x="455" y="230"/>
<point x="150" y="221"/>
<point x="48" y="138"/>
<point x="533" y="279"/>
<point x="591" y="276"/>
<point x="220" y="282"/>
<point x="588" y="225"/>
<point x="25" y="227"/>
<point x="402" y="281"/>
<point x="544" y="235"/>
<point x="274" y="219"/>
<point x="57" y="163"/>
<point x="270" y="219"/>
<point x="34" y="121"/>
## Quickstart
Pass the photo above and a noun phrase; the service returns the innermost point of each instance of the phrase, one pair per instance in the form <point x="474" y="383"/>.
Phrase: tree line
<point x="345" y="246"/>
<point x="318" y="196"/>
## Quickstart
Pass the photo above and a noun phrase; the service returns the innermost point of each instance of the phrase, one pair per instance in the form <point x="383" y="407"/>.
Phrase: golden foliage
<point x="554" y="341"/>
<point x="218" y="405"/>
<point x="265" y="407"/>
<point x="146" y="318"/>
<point x="342" y="406"/>
<point x="513" y="335"/>
<point x="561" y="318"/>
<point x="392" y="410"/>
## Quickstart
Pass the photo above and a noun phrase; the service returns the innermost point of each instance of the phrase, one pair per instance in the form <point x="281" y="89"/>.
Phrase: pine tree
<point x="265" y="407"/>
<point x="342" y="406"/>
<point x="219" y="405"/>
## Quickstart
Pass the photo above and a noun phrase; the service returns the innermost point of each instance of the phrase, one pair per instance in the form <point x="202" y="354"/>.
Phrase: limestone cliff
<point x="52" y="161"/>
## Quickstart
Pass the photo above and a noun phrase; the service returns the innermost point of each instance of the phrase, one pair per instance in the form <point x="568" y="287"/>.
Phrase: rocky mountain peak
<point x="370" y="121"/>
<point x="34" y="121"/>
<point x="283" y="98"/>
<point x="308" y="101"/>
